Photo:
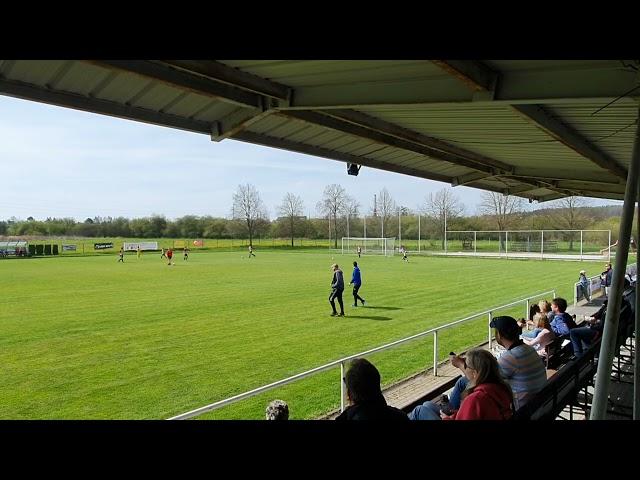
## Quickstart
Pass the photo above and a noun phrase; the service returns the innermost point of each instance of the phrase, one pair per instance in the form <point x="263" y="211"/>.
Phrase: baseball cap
<point x="505" y="325"/>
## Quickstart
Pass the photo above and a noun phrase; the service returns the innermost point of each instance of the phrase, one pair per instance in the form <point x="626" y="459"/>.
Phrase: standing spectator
<point x="562" y="322"/>
<point x="365" y="396"/>
<point x="278" y="410"/>
<point x="356" y="281"/>
<point x="584" y="284"/>
<point x="606" y="277"/>
<point x="337" y="287"/>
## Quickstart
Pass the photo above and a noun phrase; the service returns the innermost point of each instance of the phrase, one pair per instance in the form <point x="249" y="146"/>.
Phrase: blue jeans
<point x="532" y="334"/>
<point x="458" y="388"/>
<point x="427" y="411"/>
<point x="431" y="411"/>
<point x="579" y="336"/>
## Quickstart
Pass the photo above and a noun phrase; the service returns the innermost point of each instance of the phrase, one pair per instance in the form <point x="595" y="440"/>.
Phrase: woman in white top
<point x="544" y="337"/>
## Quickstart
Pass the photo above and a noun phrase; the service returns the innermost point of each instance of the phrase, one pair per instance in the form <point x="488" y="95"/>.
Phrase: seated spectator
<point x="545" y="307"/>
<point x="562" y="322"/>
<point x="278" y="410"/>
<point x="487" y="396"/>
<point x="519" y="364"/>
<point x="543" y="337"/>
<point x="583" y="337"/>
<point x="366" y="399"/>
<point x="533" y="310"/>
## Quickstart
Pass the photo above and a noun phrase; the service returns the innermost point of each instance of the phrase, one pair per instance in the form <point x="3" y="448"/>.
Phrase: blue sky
<point x="60" y="162"/>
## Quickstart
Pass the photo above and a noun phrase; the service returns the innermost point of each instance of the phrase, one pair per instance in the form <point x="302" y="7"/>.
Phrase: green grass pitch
<point x="90" y="338"/>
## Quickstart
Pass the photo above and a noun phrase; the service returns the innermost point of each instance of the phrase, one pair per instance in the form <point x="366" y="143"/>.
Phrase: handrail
<point x="342" y="361"/>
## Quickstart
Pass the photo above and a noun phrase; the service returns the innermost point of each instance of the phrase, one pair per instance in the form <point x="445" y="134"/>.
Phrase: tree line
<point x="339" y="215"/>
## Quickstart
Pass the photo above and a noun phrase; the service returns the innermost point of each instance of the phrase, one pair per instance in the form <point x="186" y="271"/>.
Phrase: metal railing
<point x="342" y="362"/>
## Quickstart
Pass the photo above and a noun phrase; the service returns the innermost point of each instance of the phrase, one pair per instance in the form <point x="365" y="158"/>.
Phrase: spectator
<point x="519" y="365"/>
<point x="584" y="284"/>
<point x="337" y="287"/>
<point x="562" y="322"/>
<point x="366" y="399"/>
<point x="543" y="337"/>
<point x="533" y="310"/>
<point x="606" y="277"/>
<point x="278" y="410"/>
<point x="545" y="307"/>
<point x="487" y="396"/>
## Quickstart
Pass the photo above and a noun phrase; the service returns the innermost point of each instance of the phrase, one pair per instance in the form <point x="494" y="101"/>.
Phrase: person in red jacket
<point x="488" y="396"/>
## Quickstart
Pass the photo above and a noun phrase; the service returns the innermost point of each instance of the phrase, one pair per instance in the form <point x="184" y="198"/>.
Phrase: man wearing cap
<point x="584" y="284"/>
<point x="520" y="366"/>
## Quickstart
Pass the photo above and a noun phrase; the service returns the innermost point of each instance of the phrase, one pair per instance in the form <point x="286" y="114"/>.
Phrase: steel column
<point x="607" y="349"/>
<point x="636" y="365"/>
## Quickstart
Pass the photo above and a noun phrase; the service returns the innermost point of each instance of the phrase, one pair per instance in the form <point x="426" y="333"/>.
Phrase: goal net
<point x="368" y="246"/>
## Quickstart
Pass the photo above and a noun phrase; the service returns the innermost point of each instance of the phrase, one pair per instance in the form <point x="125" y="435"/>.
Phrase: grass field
<point x="86" y="337"/>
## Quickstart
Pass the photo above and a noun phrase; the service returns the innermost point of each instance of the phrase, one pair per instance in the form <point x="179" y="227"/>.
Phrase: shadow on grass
<point x="380" y="308"/>
<point x="365" y="317"/>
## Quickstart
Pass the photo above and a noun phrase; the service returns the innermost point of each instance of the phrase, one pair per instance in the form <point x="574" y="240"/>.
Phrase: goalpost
<point x="369" y="245"/>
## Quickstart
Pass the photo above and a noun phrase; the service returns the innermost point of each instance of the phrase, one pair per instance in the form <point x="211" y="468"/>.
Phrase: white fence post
<point x="343" y="387"/>
<point x="435" y="353"/>
<point x="526" y="312"/>
<point x="490" y="330"/>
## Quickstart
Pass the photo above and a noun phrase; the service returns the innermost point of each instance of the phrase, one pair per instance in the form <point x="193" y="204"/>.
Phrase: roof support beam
<point x="387" y="128"/>
<point x="94" y="105"/>
<point x="468" y="178"/>
<point x="385" y="139"/>
<point x="573" y="84"/>
<point x="474" y="74"/>
<point x="232" y="76"/>
<point x="178" y="78"/>
<point x="236" y="122"/>
<point x="553" y="127"/>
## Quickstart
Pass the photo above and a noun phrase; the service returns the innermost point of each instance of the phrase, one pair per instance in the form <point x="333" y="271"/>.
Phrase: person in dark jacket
<point x="337" y="287"/>
<point x="365" y="396"/>
<point x="606" y="277"/>
<point x="356" y="281"/>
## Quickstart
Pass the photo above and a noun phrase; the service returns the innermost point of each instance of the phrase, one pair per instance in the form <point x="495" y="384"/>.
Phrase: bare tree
<point x="248" y="206"/>
<point x="568" y="214"/>
<point x="385" y="209"/>
<point x="503" y="208"/>
<point x="292" y="209"/>
<point x="442" y="206"/>
<point x="334" y="202"/>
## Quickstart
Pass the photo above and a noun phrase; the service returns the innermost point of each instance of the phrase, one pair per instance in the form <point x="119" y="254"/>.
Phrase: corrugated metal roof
<point x="527" y="127"/>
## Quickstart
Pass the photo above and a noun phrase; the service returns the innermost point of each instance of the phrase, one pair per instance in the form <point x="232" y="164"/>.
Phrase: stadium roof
<point x="539" y="129"/>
